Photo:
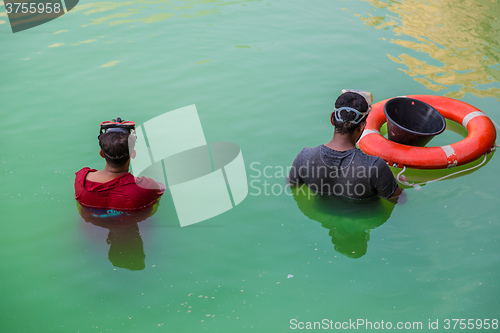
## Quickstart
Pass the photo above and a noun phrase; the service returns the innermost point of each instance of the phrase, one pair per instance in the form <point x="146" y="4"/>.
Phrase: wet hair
<point x="115" y="146"/>
<point x="354" y="101"/>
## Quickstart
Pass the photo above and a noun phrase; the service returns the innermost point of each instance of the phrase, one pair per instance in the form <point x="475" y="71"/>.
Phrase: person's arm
<point x="294" y="177"/>
<point x="399" y="196"/>
<point x="384" y="183"/>
<point x="397" y="193"/>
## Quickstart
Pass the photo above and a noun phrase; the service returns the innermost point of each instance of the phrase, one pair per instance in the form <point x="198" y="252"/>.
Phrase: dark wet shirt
<point x="349" y="173"/>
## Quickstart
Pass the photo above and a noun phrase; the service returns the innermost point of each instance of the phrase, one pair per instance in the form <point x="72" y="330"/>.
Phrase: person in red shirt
<point x="114" y="189"/>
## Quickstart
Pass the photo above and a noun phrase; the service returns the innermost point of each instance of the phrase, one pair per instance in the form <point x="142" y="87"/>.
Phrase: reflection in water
<point x="126" y="247"/>
<point x="349" y="221"/>
<point x="137" y="11"/>
<point x="461" y="37"/>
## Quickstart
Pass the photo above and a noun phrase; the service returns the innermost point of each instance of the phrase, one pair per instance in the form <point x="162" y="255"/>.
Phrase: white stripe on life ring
<point x="472" y="115"/>
<point x="368" y="131"/>
<point x="450" y="155"/>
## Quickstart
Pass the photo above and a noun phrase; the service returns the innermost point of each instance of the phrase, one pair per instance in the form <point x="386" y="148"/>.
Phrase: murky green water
<point x="263" y="75"/>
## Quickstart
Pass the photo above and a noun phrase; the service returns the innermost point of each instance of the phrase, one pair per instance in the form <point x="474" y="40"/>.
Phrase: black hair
<point x="352" y="100"/>
<point x="115" y="146"/>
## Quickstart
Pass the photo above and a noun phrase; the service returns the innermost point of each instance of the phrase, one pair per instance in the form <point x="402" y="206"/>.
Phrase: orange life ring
<point x="480" y="139"/>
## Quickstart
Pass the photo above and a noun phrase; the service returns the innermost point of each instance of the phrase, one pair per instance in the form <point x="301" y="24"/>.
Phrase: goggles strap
<point x="115" y="157"/>
<point x="359" y="115"/>
<point x="117" y="129"/>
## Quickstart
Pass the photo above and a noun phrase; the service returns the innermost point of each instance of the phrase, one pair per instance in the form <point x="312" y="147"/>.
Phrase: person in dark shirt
<point x="338" y="167"/>
<point x="114" y="188"/>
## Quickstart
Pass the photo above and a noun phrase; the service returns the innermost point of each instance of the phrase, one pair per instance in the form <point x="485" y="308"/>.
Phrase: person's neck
<point x="115" y="171"/>
<point x="341" y="142"/>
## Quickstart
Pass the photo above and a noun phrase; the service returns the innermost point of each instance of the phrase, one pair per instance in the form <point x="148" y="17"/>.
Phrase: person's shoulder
<point x="377" y="166"/>
<point x="149" y="183"/>
<point x="368" y="159"/>
<point x="84" y="171"/>
<point x="378" y="161"/>
<point x="308" y="152"/>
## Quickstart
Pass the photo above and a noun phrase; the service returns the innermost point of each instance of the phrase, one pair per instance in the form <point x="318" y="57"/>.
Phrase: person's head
<point x="344" y="118"/>
<point x="115" y="147"/>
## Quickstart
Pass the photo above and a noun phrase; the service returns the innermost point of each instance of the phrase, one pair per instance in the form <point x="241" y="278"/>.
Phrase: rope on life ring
<point x="402" y="179"/>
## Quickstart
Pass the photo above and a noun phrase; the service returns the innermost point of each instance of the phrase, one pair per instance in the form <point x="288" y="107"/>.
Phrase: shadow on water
<point x="349" y="222"/>
<point x="126" y="246"/>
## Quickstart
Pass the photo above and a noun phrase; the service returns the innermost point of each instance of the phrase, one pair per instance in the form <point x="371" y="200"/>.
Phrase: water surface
<point x="265" y="76"/>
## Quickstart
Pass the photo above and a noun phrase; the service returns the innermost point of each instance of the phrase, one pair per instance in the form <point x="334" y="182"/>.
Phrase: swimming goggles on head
<point x="117" y="125"/>
<point x="360" y="116"/>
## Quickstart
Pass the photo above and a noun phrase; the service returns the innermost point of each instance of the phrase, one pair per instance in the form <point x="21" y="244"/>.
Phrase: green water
<point x="263" y="75"/>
